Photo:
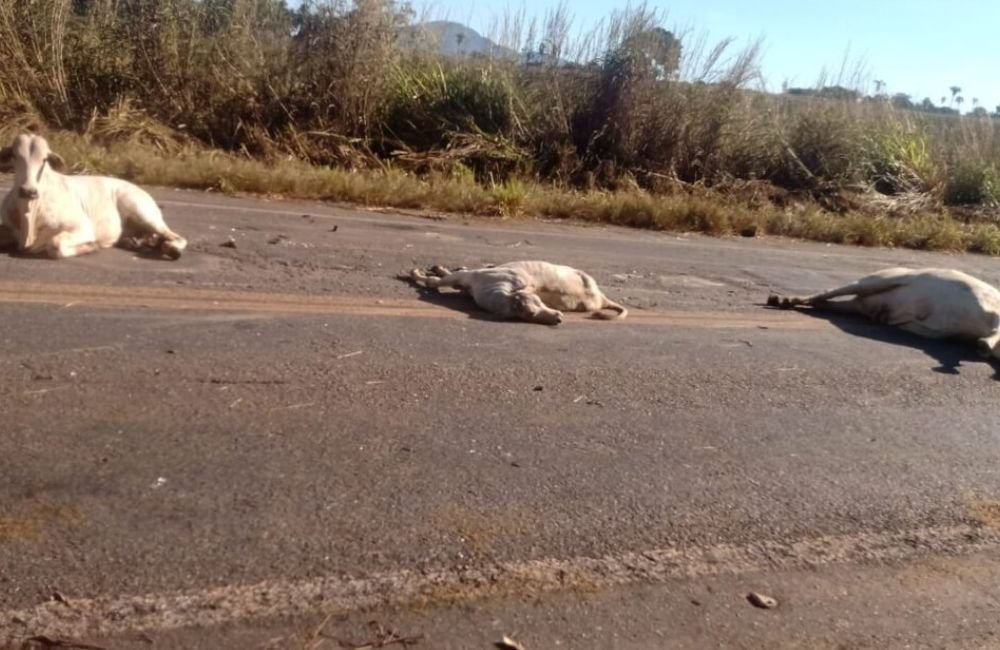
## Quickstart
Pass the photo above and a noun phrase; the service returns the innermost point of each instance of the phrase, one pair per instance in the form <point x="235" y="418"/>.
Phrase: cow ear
<point x="6" y="159"/>
<point x="57" y="162"/>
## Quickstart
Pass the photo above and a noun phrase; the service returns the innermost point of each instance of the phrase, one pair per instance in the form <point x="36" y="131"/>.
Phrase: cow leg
<point x="70" y="244"/>
<point x="529" y="307"/>
<point x="457" y="279"/>
<point x="868" y="286"/>
<point x="988" y="346"/>
<point x="421" y="278"/>
<point x="853" y="306"/>
<point x="880" y="307"/>
<point x="144" y="216"/>
<point x="441" y="271"/>
<point x="170" y="243"/>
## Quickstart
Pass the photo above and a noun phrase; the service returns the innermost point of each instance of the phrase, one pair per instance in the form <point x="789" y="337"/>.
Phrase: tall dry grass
<point x="616" y="120"/>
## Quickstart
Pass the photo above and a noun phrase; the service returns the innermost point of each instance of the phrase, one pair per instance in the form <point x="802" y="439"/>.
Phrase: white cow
<point x="532" y="291"/>
<point x="934" y="303"/>
<point x="63" y="216"/>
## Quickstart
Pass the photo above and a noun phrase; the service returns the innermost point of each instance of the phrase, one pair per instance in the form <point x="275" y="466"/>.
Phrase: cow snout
<point x="27" y="193"/>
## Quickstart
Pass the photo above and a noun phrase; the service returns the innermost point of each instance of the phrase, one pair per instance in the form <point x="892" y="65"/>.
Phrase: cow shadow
<point x="949" y="354"/>
<point x="140" y="251"/>
<point x="453" y="300"/>
<point x="145" y="252"/>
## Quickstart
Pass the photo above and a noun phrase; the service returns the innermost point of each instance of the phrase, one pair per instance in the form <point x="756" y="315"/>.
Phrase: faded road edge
<point x="285" y="598"/>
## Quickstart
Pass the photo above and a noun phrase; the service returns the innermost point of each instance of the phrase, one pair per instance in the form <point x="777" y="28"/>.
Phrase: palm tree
<point x="960" y="100"/>
<point x="954" y="92"/>
<point x="879" y="86"/>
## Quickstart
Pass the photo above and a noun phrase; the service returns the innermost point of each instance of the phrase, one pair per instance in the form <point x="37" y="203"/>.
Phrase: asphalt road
<point x="222" y="451"/>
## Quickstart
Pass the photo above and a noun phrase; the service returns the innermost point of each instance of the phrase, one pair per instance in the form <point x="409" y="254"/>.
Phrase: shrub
<point x="430" y="102"/>
<point x="973" y="183"/>
<point x="824" y="144"/>
<point x="898" y="161"/>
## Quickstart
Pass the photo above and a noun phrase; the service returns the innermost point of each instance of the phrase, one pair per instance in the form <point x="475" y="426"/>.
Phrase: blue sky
<point x="919" y="47"/>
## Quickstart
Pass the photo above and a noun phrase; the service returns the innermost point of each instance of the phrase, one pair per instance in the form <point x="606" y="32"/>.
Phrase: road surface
<point x="234" y="449"/>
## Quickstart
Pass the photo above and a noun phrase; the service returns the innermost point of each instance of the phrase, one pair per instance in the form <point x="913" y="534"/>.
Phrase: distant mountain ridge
<point x="454" y="39"/>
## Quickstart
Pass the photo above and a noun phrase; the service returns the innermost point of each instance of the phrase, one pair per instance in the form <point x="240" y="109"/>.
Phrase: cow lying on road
<point x="934" y="303"/>
<point x="537" y="292"/>
<point x="63" y="216"/>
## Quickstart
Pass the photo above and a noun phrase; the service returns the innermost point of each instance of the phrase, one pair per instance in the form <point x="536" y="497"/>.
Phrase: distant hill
<point x="453" y="39"/>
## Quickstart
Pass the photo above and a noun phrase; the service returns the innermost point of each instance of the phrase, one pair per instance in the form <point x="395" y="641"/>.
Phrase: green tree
<point x="659" y="47"/>
<point x="902" y="100"/>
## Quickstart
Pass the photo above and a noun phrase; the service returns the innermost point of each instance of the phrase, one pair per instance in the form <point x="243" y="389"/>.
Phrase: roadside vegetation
<point x="629" y="124"/>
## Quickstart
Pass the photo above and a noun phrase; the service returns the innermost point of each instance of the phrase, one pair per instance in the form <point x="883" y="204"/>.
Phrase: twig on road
<point x="42" y="642"/>
<point x="384" y="637"/>
<point x="509" y="644"/>
<point x="293" y="407"/>
<point x="42" y="391"/>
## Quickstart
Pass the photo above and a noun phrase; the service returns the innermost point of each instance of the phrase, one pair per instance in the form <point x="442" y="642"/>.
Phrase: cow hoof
<point x="778" y="302"/>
